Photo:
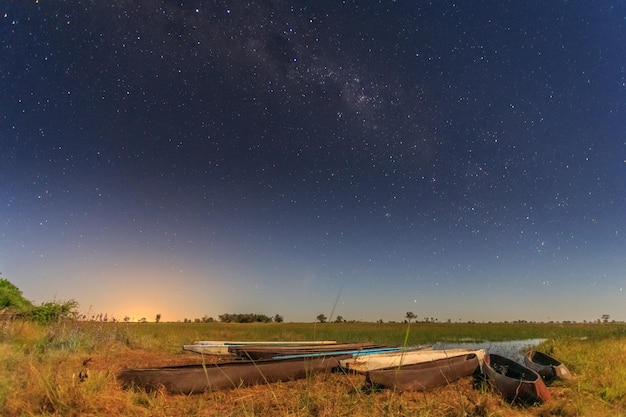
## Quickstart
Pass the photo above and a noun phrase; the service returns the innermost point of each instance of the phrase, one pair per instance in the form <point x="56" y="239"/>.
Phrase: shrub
<point x="11" y="297"/>
<point x="53" y="311"/>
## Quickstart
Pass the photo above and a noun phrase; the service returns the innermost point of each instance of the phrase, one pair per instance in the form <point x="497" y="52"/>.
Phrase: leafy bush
<point x="11" y="297"/>
<point x="53" y="311"/>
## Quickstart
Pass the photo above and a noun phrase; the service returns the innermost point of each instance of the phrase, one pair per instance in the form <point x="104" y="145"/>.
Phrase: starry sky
<point x="460" y="161"/>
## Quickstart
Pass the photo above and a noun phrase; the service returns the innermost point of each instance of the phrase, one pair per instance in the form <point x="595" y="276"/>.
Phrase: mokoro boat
<point x="363" y="363"/>
<point x="267" y="342"/>
<point x="218" y="347"/>
<point x="514" y="381"/>
<point x="193" y="379"/>
<point x="269" y="352"/>
<point x="353" y="352"/>
<point x="424" y="376"/>
<point x="546" y="366"/>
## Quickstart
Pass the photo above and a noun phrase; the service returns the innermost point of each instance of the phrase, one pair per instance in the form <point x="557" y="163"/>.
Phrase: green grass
<point x="40" y="364"/>
<point x="172" y="335"/>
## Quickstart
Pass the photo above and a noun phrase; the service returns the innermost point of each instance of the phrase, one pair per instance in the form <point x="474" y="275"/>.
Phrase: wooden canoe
<point x="345" y="353"/>
<point x="546" y="366"/>
<point x="269" y="352"/>
<point x="369" y="362"/>
<point x="218" y="347"/>
<point x="514" y="381"/>
<point x="424" y="376"/>
<point x="266" y="342"/>
<point x="193" y="379"/>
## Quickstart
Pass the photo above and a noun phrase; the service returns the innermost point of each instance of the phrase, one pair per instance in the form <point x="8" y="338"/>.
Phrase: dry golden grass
<point x="41" y="369"/>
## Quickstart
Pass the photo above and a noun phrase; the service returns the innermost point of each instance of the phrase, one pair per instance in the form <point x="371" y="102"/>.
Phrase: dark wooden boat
<point x="515" y="381"/>
<point x="546" y="366"/>
<point x="424" y="376"/>
<point x="268" y="352"/>
<point x="192" y="379"/>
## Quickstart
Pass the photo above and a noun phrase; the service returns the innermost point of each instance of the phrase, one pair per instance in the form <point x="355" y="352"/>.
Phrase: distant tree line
<point x="204" y="319"/>
<point x="14" y="305"/>
<point x="249" y="318"/>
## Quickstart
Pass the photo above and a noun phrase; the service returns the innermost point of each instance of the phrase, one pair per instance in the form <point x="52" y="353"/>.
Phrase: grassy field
<point x="41" y="367"/>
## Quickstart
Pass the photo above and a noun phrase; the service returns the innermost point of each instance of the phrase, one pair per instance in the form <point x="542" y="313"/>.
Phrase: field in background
<point x="41" y="369"/>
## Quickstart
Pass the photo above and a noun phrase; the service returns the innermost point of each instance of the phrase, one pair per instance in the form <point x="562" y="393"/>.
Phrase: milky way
<point x="212" y="157"/>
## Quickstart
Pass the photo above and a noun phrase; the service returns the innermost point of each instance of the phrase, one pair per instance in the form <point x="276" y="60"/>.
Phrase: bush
<point x="53" y="311"/>
<point x="11" y="297"/>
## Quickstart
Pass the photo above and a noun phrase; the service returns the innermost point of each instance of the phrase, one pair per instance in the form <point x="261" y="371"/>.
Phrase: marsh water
<point x="513" y="349"/>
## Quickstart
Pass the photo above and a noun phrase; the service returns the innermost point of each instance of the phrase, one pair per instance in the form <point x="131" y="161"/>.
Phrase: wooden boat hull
<point x="219" y="347"/>
<point x="365" y="363"/>
<point x="425" y="376"/>
<point x="270" y="352"/>
<point x="546" y="366"/>
<point x="514" y="381"/>
<point x="193" y="379"/>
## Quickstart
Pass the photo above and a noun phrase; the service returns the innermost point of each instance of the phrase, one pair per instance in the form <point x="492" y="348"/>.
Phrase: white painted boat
<point x="364" y="363"/>
<point x="266" y="342"/>
<point x="220" y="347"/>
<point x="207" y="349"/>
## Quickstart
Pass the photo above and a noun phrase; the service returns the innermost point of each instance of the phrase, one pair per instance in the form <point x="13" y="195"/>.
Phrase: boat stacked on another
<point x="221" y="347"/>
<point x="256" y="352"/>
<point x="365" y="362"/>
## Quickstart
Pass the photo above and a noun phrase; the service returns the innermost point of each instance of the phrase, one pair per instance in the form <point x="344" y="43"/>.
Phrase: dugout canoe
<point x="352" y="353"/>
<point x="514" y="381"/>
<point x="194" y="379"/>
<point x="267" y="342"/>
<point x="546" y="366"/>
<point x="219" y="347"/>
<point x="424" y="376"/>
<point x="270" y="352"/>
<point x="363" y="363"/>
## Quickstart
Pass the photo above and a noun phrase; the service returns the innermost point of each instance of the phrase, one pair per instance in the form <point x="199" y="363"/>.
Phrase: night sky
<point x="357" y="158"/>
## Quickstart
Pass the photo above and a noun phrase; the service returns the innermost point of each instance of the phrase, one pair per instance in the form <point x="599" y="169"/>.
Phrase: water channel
<point x="513" y="349"/>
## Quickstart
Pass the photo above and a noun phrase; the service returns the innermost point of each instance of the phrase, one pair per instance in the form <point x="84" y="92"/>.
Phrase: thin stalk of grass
<point x="332" y="311"/>
<point x="405" y="343"/>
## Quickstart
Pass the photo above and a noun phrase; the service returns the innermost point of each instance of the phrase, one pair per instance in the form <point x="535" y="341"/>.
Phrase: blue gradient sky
<point x="463" y="162"/>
